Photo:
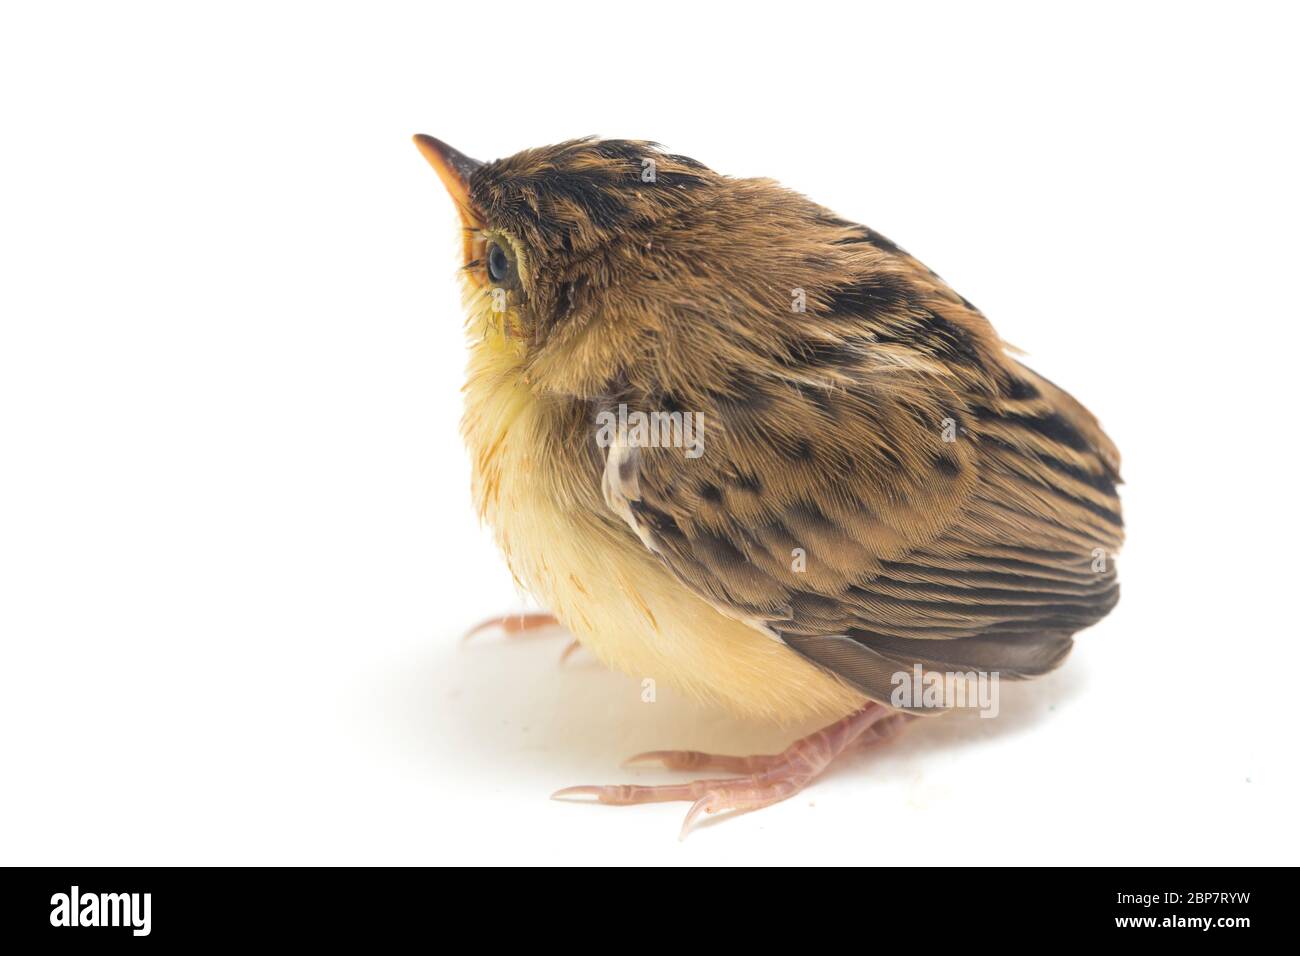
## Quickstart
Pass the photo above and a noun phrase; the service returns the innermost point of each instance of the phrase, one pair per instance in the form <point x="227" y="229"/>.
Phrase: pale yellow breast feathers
<point x="613" y="594"/>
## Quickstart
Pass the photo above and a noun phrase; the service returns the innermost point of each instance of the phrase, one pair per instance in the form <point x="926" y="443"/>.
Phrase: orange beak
<point x="454" y="168"/>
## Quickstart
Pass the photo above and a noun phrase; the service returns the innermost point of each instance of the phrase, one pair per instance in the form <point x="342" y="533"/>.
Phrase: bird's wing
<point x="880" y="486"/>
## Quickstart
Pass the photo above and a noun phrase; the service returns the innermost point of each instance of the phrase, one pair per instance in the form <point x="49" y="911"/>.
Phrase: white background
<point x="236" y="544"/>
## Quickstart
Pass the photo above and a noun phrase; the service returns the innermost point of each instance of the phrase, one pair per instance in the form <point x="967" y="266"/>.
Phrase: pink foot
<point x="769" y="778"/>
<point x="522" y="624"/>
<point x="515" y="624"/>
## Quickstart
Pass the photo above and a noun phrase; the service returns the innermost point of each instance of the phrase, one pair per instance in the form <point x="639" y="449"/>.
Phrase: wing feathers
<point x="881" y="485"/>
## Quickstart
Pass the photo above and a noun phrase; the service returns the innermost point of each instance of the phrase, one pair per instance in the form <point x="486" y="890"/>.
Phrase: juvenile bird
<point x="742" y="445"/>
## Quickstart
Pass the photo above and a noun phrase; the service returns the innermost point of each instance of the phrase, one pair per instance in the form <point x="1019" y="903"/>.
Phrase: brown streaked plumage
<point x="953" y="509"/>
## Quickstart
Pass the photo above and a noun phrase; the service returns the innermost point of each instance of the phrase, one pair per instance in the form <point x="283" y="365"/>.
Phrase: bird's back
<point x="884" y="486"/>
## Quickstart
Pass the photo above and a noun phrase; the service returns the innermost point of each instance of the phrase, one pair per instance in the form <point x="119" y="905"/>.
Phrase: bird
<point x="736" y="443"/>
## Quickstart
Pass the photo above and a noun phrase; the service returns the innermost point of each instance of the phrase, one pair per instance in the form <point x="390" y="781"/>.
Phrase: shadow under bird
<point x="871" y="487"/>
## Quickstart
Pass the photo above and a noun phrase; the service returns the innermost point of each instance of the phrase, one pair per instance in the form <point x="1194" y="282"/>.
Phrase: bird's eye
<point x="498" y="263"/>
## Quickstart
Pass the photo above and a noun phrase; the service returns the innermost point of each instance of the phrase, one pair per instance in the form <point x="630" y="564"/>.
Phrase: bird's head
<point x="588" y="259"/>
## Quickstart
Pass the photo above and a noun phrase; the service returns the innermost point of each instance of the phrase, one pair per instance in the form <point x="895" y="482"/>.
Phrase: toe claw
<point x="573" y="794"/>
<point x="695" y="760"/>
<point x="706" y="804"/>
<point x="647" y="758"/>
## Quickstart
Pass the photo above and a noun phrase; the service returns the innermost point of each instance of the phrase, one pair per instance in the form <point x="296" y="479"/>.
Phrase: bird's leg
<point x="769" y="778"/>
<point x="882" y="729"/>
<point x="515" y="623"/>
<point x="522" y="624"/>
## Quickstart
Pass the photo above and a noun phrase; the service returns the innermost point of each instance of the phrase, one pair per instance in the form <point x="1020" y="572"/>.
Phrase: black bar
<point x="936" y="906"/>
